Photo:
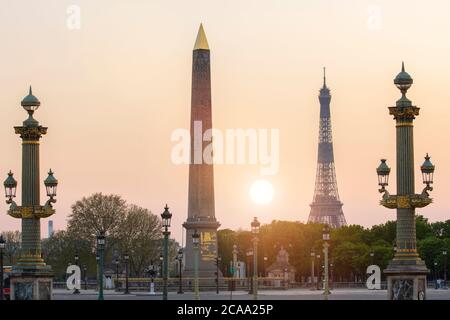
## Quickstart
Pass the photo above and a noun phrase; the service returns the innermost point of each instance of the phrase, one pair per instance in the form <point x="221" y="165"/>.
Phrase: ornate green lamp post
<point x="255" y="231"/>
<point x="31" y="278"/>
<point x="101" y="239"/>
<point x="326" y="245"/>
<point x="406" y="272"/>
<point x="166" y="217"/>
<point x="196" y="244"/>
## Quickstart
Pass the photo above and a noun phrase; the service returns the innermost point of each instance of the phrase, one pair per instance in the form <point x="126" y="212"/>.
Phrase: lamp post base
<point x="406" y="279"/>
<point x="32" y="283"/>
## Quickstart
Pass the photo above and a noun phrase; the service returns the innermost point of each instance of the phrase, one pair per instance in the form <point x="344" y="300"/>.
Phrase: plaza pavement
<point x="292" y="294"/>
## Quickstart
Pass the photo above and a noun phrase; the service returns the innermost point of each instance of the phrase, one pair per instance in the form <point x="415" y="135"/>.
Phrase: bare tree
<point x="95" y="214"/>
<point x="140" y="236"/>
<point x="12" y="239"/>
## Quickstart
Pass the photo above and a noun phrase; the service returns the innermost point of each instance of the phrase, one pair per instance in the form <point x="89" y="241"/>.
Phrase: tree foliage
<point x="350" y="246"/>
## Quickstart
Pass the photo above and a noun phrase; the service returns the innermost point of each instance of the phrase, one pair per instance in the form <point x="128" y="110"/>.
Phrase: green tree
<point x="140" y="236"/>
<point x="60" y="249"/>
<point x="226" y="238"/>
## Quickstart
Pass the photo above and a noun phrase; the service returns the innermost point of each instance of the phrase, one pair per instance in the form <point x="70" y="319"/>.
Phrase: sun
<point x="261" y="191"/>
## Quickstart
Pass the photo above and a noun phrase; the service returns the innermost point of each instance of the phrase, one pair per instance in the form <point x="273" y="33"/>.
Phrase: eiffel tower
<point x="326" y="206"/>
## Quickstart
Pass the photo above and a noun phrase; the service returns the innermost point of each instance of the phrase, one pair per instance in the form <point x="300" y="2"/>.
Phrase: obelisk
<point x="201" y="215"/>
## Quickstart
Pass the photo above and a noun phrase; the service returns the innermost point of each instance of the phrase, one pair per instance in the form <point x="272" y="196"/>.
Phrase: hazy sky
<point x="113" y="91"/>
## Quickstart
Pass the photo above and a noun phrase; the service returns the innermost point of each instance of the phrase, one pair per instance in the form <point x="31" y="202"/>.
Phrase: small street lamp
<point x="444" y="253"/>
<point x="218" y="259"/>
<point x="10" y="185"/>
<point x="264" y="273"/>
<point x="101" y="239"/>
<point x="383" y="172"/>
<point x="97" y="260"/>
<point x="85" y="276"/>
<point x="249" y="255"/>
<point x="435" y="275"/>
<point x="196" y="242"/>
<point x="152" y="272"/>
<point x="161" y="261"/>
<point x="76" y="291"/>
<point x="234" y="271"/>
<point x="255" y="231"/>
<point x="331" y="276"/>
<point x="326" y="245"/>
<point x="180" y="272"/>
<point x="116" y="262"/>
<point x="2" y="248"/>
<point x="126" y="257"/>
<point x="319" y="277"/>
<point x="313" y="257"/>
<point x="166" y="217"/>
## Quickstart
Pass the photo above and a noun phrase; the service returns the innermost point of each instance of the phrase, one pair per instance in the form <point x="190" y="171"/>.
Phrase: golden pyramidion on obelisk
<point x="201" y="42"/>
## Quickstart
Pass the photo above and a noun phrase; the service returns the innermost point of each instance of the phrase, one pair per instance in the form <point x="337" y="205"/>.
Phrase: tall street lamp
<point x="313" y="258"/>
<point x="196" y="242"/>
<point x="180" y="270"/>
<point x="2" y="248"/>
<point x="326" y="245"/>
<point x="406" y="272"/>
<point x="126" y="258"/>
<point x="39" y="275"/>
<point x="77" y="258"/>
<point x="255" y="231"/>
<point x="372" y="255"/>
<point x="166" y="216"/>
<point x="101" y="239"/>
